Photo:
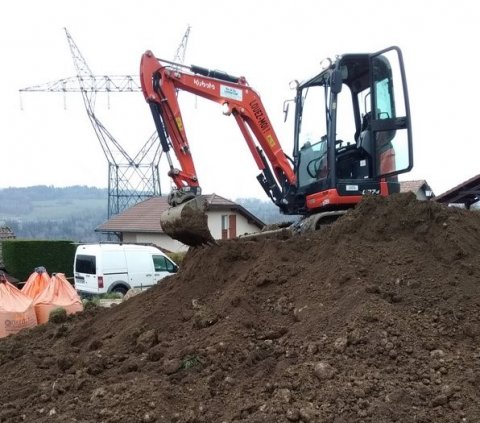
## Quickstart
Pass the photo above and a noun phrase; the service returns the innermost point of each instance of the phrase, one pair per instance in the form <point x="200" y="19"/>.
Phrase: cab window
<point x="313" y="162"/>
<point x="313" y="124"/>
<point x="383" y="100"/>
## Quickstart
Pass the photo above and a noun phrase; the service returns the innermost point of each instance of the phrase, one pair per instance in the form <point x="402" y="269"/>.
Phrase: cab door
<point x="390" y="118"/>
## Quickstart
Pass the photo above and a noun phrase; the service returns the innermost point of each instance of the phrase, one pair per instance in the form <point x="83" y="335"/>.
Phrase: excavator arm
<point x="161" y="80"/>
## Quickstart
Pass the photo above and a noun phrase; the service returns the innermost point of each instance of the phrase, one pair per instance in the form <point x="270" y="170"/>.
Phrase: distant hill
<point x="43" y="202"/>
<point x="265" y="210"/>
<point x="73" y="213"/>
<point x="47" y="212"/>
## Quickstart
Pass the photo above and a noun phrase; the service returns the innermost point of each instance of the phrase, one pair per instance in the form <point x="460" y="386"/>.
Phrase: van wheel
<point x="120" y="290"/>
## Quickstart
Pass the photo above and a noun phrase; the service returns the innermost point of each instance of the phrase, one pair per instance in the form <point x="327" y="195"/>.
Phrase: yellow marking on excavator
<point x="178" y="119"/>
<point x="270" y="140"/>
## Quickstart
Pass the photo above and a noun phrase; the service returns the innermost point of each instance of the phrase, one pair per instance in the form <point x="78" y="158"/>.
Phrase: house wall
<point x="421" y="195"/>
<point x="161" y="240"/>
<point x="215" y="223"/>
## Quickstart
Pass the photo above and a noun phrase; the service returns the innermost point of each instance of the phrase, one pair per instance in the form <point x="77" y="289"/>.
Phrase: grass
<point x="94" y="300"/>
<point x="58" y="315"/>
<point x="110" y="296"/>
<point x="190" y="362"/>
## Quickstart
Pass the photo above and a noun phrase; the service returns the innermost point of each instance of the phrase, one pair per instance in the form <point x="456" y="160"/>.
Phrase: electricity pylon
<point x="130" y="180"/>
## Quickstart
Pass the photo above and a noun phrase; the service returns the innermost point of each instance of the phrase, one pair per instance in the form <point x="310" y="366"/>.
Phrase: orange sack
<point x="58" y="293"/>
<point x="16" y="309"/>
<point x="36" y="282"/>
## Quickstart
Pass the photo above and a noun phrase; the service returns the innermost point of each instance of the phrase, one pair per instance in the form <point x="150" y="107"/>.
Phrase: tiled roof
<point x="142" y="217"/>
<point x="145" y="216"/>
<point x="217" y="200"/>
<point x="412" y="186"/>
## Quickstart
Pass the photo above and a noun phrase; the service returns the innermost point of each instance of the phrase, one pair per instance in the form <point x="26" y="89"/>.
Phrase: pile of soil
<point x="373" y="319"/>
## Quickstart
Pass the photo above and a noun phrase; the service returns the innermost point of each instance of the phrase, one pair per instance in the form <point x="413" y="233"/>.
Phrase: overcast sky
<point x="268" y="42"/>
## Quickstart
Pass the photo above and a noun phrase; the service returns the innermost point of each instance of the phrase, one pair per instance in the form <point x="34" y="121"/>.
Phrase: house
<point x="141" y="222"/>
<point x="419" y="187"/>
<point x="465" y="194"/>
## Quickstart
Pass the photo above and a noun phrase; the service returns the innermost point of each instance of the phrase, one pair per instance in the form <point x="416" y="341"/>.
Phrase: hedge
<point x="177" y="257"/>
<point x="22" y="257"/>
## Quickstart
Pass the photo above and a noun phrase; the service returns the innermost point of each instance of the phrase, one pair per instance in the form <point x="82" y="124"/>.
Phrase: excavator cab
<point x="352" y="131"/>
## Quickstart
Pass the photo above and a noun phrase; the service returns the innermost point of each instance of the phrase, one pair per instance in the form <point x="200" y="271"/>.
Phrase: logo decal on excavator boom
<point x="202" y="84"/>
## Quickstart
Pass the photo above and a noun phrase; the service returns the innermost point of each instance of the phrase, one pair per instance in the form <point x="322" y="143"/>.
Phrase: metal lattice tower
<point x="130" y="180"/>
<point x="182" y="48"/>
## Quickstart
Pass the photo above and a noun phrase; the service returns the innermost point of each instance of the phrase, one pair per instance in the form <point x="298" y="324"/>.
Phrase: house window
<point x="229" y="226"/>
<point x="224" y="226"/>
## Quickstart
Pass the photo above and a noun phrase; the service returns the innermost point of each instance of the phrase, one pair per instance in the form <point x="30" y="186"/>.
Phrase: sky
<point x="270" y="42"/>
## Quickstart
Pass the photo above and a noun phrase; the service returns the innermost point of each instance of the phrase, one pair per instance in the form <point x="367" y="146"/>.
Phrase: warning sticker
<point x="230" y="92"/>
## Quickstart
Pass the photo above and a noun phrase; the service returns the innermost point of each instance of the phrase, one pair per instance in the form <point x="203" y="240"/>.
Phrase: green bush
<point x="22" y="257"/>
<point x="177" y="257"/>
<point x="58" y="315"/>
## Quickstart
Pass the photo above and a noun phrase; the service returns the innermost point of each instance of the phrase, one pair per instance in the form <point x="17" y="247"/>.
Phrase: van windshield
<point x="85" y="264"/>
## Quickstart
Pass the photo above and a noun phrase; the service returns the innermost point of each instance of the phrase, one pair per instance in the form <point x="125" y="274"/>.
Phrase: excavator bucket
<point x="188" y="223"/>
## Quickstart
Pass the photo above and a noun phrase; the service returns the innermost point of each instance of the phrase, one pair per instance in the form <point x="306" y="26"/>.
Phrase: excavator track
<point x="308" y="224"/>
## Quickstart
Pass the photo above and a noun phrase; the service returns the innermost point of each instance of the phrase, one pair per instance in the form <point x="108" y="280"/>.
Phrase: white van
<point x="105" y="267"/>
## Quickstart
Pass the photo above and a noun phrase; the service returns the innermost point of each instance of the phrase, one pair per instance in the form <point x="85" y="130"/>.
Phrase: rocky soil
<point x="373" y="319"/>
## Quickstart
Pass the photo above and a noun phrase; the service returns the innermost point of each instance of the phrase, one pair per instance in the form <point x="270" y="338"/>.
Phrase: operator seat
<point x="365" y="142"/>
<point x="365" y="150"/>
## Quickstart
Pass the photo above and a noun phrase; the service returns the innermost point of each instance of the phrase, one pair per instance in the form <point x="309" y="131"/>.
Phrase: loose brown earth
<point x="374" y="319"/>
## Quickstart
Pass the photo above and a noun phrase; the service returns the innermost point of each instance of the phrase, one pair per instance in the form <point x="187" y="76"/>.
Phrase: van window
<point x="85" y="264"/>
<point x="162" y="264"/>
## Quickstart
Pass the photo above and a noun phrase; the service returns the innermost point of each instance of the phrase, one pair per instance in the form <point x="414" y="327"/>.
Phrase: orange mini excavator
<point x="352" y="136"/>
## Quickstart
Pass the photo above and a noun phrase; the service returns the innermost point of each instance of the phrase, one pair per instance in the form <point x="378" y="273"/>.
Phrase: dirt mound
<point x="374" y="319"/>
